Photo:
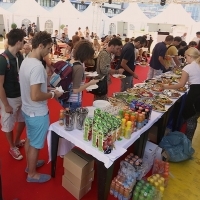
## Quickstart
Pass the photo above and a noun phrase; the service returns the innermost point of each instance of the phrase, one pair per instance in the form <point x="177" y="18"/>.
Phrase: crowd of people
<point x="175" y="53"/>
<point x="26" y="64"/>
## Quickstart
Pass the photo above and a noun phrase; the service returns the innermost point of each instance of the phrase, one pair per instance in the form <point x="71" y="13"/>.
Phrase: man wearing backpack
<point x="33" y="84"/>
<point x="10" y="62"/>
<point x="157" y="62"/>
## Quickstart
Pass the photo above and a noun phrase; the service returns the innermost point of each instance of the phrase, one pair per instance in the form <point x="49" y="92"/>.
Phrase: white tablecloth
<point x="76" y="137"/>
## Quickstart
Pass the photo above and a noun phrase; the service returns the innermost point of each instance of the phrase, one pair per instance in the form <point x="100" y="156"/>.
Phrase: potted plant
<point x="13" y="26"/>
<point x="62" y="26"/>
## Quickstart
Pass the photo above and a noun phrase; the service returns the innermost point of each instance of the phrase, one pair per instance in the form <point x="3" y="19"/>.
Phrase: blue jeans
<point x="126" y="83"/>
<point x="72" y="105"/>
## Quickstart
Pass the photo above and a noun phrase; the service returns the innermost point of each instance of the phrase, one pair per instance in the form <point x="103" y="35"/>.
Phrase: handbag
<point x="102" y="87"/>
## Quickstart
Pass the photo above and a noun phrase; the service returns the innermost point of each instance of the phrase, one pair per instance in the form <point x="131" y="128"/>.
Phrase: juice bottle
<point x="116" y="191"/>
<point x="128" y="128"/>
<point x="135" y="195"/>
<point x="121" y="193"/>
<point x="61" y="117"/>
<point x="112" y="187"/>
<point x="139" y="122"/>
<point x="123" y="125"/>
<point x="133" y="122"/>
<point x="161" y="191"/>
<point x="126" y="195"/>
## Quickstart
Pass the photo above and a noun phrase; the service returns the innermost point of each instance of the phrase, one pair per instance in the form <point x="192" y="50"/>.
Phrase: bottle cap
<point x="162" y="189"/>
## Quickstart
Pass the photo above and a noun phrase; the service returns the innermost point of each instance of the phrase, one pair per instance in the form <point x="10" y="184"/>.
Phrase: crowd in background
<point x="27" y="63"/>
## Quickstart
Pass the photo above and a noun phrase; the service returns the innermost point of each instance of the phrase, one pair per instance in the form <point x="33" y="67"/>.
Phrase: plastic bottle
<point x="135" y="195"/>
<point x="161" y="191"/>
<point x="121" y="193"/>
<point x="126" y="195"/>
<point x="128" y="128"/>
<point x="123" y="125"/>
<point x="116" y="191"/>
<point x="156" y="184"/>
<point x="112" y="187"/>
<point x="133" y="122"/>
<point x="140" y="122"/>
<point x="61" y="118"/>
<point x="141" y="197"/>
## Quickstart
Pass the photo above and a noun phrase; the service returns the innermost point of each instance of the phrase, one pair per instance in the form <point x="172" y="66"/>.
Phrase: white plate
<point x="91" y="111"/>
<point x="101" y="104"/>
<point x="139" y="84"/>
<point x="160" y="111"/>
<point x="92" y="87"/>
<point x="92" y="74"/>
<point x="119" y="76"/>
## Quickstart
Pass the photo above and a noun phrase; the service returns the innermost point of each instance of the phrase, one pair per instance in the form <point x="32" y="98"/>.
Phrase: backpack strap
<point x="7" y="59"/>
<point x="170" y="46"/>
<point x="64" y="67"/>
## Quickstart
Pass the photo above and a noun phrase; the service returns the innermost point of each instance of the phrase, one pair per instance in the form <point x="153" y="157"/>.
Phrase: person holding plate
<point x="190" y="74"/>
<point x="127" y="61"/>
<point x="103" y="63"/>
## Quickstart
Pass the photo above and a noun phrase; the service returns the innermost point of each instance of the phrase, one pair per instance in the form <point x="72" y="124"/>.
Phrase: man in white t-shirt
<point x="33" y="85"/>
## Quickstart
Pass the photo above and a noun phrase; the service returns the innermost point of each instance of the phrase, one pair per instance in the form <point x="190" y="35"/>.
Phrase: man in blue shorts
<point x="33" y="84"/>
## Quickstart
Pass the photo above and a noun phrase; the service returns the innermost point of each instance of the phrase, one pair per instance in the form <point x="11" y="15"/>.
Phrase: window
<point x="26" y="22"/>
<point x="48" y="26"/>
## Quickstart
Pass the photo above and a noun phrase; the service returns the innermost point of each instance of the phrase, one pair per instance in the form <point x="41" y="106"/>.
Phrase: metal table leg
<point x="140" y="144"/>
<point x="54" y="150"/>
<point x="104" y="178"/>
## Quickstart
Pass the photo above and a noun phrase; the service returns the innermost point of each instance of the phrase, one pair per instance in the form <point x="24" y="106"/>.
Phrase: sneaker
<point x="15" y="153"/>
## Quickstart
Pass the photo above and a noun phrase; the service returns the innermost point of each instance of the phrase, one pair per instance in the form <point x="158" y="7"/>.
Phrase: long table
<point x="105" y="162"/>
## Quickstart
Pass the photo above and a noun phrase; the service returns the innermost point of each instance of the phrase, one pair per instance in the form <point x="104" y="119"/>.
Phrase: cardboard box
<point x="76" y="192"/>
<point x="80" y="165"/>
<point x="79" y="183"/>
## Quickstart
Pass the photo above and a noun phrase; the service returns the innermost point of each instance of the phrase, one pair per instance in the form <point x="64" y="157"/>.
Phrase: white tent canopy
<point x="69" y="15"/>
<point x="173" y="14"/>
<point x="131" y="14"/>
<point x="127" y="22"/>
<point x="89" y="12"/>
<point x="66" y="10"/>
<point x="28" y="10"/>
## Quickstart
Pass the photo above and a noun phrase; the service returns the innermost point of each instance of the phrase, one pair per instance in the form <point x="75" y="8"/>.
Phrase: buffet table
<point x="105" y="162"/>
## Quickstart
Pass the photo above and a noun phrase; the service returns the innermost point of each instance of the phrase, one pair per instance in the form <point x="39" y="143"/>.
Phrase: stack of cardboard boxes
<point x="78" y="173"/>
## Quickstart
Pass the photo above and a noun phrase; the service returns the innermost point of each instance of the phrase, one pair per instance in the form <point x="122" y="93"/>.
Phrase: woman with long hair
<point x="190" y="74"/>
<point x="96" y="45"/>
